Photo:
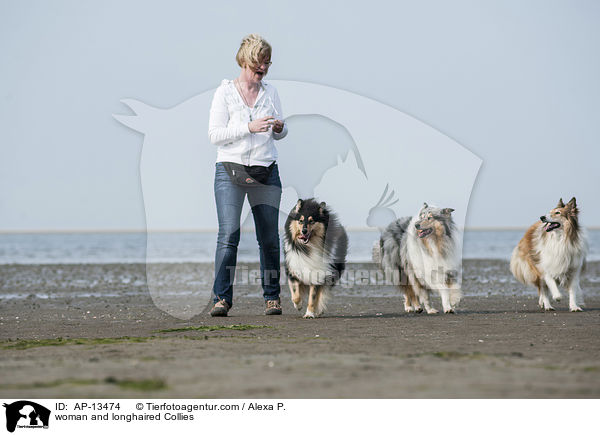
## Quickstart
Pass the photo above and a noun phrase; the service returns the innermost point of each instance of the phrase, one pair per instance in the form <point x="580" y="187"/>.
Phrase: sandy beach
<point x="85" y="331"/>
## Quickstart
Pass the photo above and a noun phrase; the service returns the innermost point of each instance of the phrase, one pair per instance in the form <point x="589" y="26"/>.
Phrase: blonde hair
<point x="253" y="50"/>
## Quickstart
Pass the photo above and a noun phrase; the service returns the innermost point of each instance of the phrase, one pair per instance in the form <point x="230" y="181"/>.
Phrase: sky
<point x="514" y="83"/>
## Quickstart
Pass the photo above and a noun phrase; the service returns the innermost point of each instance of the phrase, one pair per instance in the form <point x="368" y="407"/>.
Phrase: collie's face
<point x="307" y="221"/>
<point x="432" y="220"/>
<point x="559" y="216"/>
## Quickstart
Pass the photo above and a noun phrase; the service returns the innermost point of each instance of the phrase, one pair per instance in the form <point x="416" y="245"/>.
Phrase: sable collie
<point x="315" y="247"/>
<point x="421" y="254"/>
<point x="552" y="250"/>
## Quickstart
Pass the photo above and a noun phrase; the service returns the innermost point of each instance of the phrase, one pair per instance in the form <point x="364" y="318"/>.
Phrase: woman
<point x="245" y="119"/>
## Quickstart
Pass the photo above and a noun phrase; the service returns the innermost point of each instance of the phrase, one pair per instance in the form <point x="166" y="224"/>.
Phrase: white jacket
<point x="228" y="125"/>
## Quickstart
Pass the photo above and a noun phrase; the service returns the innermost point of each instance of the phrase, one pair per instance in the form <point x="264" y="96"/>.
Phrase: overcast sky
<point x="514" y="82"/>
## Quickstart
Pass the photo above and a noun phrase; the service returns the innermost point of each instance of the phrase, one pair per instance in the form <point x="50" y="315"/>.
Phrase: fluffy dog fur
<point x="315" y="247"/>
<point x="421" y="254"/>
<point x="552" y="251"/>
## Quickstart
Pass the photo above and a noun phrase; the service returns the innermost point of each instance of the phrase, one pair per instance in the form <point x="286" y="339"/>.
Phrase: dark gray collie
<point x="315" y="247"/>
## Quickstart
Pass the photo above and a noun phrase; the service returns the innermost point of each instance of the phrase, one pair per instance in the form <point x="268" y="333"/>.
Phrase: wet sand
<point x="94" y="331"/>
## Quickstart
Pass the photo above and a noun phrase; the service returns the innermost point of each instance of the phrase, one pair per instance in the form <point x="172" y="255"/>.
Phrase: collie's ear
<point x="298" y="205"/>
<point x="572" y="203"/>
<point x="447" y="211"/>
<point x="560" y="204"/>
<point x="425" y="205"/>
<point x="322" y="208"/>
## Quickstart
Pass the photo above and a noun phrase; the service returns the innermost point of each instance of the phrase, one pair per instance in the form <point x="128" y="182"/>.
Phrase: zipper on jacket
<point x="252" y="134"/>
<point x="251" y="140"/>
<point x="239" y="92"/>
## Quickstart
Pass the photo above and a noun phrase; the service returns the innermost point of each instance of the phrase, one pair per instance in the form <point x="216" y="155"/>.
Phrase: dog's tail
<point x="386" y="253"/>
<point x="377" y="252"/>
<point x="523" y="269"/>
<point x="455" y="296"/>
<point x="323" y="299"/>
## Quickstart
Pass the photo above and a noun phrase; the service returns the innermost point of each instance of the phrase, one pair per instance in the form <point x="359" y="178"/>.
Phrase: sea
<point x="199" y="247"/>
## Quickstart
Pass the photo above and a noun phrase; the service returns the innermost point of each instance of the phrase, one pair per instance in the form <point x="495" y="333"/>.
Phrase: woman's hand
<point x="261" y="125"/>
<point x="278" y="126"/>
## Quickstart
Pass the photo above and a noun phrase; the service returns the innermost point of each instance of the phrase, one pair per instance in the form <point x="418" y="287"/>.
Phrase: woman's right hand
<point x="261" y="125"/>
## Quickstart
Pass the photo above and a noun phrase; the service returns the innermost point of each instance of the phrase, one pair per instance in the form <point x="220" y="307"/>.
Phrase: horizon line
<point x="214" y="230"/>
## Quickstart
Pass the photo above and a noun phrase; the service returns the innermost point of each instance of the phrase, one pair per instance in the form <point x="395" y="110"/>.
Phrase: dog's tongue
<point x="303" y="238"/>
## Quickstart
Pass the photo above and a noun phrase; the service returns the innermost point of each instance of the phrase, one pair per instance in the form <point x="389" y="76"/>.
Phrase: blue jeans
<point x="264" y="201"/>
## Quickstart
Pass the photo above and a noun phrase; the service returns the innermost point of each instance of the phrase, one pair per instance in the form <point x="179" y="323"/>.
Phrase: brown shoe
<point x="220" y="309"/>
<point x="273" y="307"/>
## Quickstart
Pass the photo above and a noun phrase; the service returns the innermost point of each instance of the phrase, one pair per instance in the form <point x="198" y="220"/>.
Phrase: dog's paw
<point x="408" y="309"/>
<point x="432" y="311"/>
<point x="575" y="309"/>
<point x="557" y="297"/>
<point x="309" y="315"/>
<point x="449" y="311"/>
<point x="418" y="309"/>
<point x="549" y="308"/>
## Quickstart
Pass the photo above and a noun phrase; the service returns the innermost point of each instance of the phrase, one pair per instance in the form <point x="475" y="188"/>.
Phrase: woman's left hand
<point x="277" y="126"/>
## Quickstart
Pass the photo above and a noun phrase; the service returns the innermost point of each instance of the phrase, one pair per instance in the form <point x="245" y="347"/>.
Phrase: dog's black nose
<point x="417" y="226"/>
<point x="304" y="231"/>
<point x="543" y="218"/>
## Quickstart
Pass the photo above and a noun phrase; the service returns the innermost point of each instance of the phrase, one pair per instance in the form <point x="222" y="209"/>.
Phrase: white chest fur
<point x="558" y="255"/>
<point x="312" y="268"/>
<point x="431" y="265"/>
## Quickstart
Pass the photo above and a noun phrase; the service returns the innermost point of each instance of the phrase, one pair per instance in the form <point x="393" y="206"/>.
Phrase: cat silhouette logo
<point x="26" y="414"/>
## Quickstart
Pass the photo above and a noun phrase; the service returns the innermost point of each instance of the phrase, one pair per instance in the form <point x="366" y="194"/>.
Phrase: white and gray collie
<point x="552" y="251"/>
<point x="315" y="247"/>
<point x="422" y="254"/>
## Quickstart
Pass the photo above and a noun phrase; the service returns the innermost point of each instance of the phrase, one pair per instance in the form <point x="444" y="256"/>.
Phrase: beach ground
<point x="116" y="343"/>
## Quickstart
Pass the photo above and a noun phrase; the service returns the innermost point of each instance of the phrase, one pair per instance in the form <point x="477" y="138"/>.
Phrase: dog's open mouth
<point x="549" y="226"/>
<point x="304" y="238"/>
<point x="424" y="232"/>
